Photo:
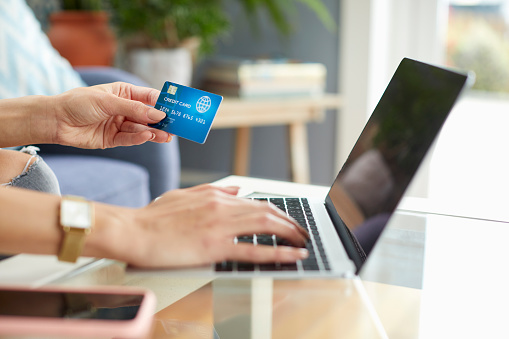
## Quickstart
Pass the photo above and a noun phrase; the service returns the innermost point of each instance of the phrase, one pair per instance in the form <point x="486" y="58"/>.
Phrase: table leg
<point x="242" y="151"/>
<point x="299" y="158"/>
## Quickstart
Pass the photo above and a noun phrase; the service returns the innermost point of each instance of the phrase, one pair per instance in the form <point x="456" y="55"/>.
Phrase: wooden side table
<point x="242" y="114"/>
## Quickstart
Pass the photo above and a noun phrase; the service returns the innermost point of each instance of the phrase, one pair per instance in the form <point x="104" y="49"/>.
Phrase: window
<point x="478" y="40"/>
<point x="470" y="154"/>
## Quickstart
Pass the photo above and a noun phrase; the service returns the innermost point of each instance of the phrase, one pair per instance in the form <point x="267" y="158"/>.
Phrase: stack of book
<point x="255" y="78"/>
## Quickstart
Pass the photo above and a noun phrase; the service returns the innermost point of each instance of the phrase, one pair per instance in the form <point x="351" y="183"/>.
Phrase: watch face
<point x="76" y="214"/>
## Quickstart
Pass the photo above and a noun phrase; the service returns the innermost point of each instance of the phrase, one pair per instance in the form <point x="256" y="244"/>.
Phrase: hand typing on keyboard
<point x="299" y="210"/>
<point x="202" y="225"/>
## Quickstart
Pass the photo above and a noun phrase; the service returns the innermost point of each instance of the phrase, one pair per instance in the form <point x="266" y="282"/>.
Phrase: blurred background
<point x="359" y="42"/>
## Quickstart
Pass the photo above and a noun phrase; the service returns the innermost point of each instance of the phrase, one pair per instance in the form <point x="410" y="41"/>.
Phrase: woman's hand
<point x="106" y="116"/>
<point x="197" y="226"/>
<point x="187" y="227"/>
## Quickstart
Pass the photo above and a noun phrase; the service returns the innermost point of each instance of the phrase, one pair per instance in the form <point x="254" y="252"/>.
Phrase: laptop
<point x="346" y="224"/>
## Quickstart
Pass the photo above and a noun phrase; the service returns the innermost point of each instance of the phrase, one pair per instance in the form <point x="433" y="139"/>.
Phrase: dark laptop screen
<point x="391" y="147"/>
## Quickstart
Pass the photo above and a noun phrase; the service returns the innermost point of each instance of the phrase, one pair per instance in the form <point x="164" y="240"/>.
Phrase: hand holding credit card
<point x="189" y="111"/>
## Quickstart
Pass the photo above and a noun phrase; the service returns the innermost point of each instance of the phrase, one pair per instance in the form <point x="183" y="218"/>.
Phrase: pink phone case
<point x="139" y="327"/>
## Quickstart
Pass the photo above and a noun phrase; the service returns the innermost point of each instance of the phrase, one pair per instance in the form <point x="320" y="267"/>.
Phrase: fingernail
<point x="232" y="188"/>
<point x="303" y="253"/>
<point x="291" y="253"/>
<point x="169" y="138"/>
<point x="155" y="115"/>
<point x="152" y="137"/>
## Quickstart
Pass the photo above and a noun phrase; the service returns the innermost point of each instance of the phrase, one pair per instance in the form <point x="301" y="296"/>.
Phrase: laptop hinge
<point x="352" y="246"/>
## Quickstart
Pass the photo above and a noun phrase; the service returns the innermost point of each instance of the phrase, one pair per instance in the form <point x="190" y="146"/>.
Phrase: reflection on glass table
<point x="263" y="308"/>
<point x="430" y="276"/>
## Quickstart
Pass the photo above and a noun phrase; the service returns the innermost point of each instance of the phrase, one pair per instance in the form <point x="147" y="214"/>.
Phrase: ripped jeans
<point x="35" y="176"/>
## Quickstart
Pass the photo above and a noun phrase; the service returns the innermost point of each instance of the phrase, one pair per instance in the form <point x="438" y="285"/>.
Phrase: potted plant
<point x="81" y="33"/>
<point x="159" y="31"/>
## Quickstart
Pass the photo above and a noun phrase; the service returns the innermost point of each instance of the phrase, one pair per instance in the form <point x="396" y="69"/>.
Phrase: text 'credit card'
<point x="189" y="111"/>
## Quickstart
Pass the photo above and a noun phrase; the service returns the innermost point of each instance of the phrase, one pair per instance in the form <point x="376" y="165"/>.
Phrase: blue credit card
<point x="189" y="111"/>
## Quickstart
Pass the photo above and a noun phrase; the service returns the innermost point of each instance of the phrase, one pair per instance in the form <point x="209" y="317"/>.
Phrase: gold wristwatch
<point x="76" y="220"/>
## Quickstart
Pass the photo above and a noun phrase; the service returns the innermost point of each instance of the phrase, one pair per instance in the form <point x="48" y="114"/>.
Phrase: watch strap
<point x="74" y="238"/>
<point x="72" y="245"/>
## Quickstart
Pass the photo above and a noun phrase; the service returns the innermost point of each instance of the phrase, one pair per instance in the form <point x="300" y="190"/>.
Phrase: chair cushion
<point x="100" y="179"/>
<point x="28" y="63"/>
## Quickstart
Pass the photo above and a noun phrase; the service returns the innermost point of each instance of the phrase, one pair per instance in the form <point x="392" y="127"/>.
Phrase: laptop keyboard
<point x="299" y="209"/>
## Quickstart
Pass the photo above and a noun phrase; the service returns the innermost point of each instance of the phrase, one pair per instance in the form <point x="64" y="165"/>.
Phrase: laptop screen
<point x="391" y="147"/>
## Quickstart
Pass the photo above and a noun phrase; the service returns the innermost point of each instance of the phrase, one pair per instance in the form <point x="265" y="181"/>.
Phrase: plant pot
<point x="83" y="37"/>
<point x="158" y="65"/>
